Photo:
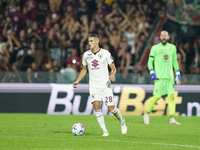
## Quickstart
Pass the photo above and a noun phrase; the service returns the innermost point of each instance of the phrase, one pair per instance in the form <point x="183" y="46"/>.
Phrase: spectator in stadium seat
<point x="51" y="37"/>
<point x="46" y="62"/>
<point x="8" y="27"/>
<point x="30" y="8"/>
<point x="111" y="50"/>
<point x="45" y="28"/>
<point x="55" y="52"/>
<point x="99" y="15"/>
<point x="69" y="73"/>
<point x="114" y="37"/>
<point x="41" y="14"/>
<point x="69" y="12"/>
<point x="24" y="58"/>
<point x="22" y="40"/>
<point x="33" y="74"/>
<point x="57" y="2"/>
<point x="52" y="76"/>
<point x="55" y="65"/>
<point x="76" y="42"/>
<point x="34" y="67"/>
<point x="18" y="19"/>
<point x="130" y="34"/>
<point x="38" y="53"/>
<point x="3" y="19"/>
<point x="57" y="30"/>
<point x="74" y="3"/>
<point x="33" y="33"/>
<point x="190" y="54"/>
<point x="75" y="60"/>
<point x="7" y="49"/>
<point x="195" y="79"/>
<point x="123" y="58"/>
<point x="2" y="43"/>
<point x="83" y="10"/>
<point x="105" y="40"/>
<point x="13" y="76"/>
<point x="11" y="6"/>
<point x="54" y="13"/>
<point x="68" y="50"/>
<point x="130" y="10"/>
<point x="3" y="65"/>
<point x="29" y="75"/>
<point x="92" y="26"/>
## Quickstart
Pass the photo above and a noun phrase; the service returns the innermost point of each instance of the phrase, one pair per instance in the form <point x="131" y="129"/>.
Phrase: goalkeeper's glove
<point x="178" y="77"/>
<point x="153" y="75"/>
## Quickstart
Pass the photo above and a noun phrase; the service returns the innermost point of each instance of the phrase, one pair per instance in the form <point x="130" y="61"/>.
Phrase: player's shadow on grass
<point x="69" y="132"/>
<point x="61" y="132"/>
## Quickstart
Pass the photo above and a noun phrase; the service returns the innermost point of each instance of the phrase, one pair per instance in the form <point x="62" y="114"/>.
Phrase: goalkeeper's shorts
<point x="164" y="87"/>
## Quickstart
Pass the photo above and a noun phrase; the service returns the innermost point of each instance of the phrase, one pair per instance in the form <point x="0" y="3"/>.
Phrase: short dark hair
<point x="95" y="35"/>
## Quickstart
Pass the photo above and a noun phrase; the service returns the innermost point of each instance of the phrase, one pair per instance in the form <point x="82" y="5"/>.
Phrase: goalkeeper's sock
<point x="100" y="120"/>
<point x="117" y="114"/>
<point x="152" y="103"/>
<point x="171" y="105"/>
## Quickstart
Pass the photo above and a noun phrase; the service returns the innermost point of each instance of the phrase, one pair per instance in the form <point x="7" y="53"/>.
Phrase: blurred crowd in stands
<point x="51" y="35"/>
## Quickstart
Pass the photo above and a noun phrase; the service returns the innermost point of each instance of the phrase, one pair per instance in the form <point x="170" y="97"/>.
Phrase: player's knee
<point x="111" y="108"/>
<point x="158" y="97"/>
<point x="96" y="105"/>
<point x="155" y="99"/>
<point x="171" y="97"/>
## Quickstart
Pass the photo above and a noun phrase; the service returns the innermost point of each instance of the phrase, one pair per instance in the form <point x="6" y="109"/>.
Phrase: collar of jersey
<point x="96" y="52"/>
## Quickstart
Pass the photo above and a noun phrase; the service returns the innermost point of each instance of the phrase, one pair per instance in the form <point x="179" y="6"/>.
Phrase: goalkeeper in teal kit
<point x="162" y="61"/>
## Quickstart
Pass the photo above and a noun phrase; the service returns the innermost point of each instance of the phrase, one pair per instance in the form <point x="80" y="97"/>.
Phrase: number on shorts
<point x="108" y="99"/>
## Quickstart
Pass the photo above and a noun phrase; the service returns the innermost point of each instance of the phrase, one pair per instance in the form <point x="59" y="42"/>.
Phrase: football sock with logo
<point x="171" y="105"/>
<point x="152" y="103"/>
<point x="100" y="120"/>
<point x="117" y="114"/>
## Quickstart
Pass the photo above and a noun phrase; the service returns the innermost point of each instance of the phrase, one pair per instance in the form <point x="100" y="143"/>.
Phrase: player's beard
<point x="164" y="41"/>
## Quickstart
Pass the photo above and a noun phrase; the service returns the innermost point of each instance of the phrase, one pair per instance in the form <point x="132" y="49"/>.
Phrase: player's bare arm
<point x="81" y="76"/>
<point x="113" y="72"/>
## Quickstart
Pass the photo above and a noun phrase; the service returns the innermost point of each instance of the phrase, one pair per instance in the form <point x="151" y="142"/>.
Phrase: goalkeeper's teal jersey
<point x="164" y="59"/>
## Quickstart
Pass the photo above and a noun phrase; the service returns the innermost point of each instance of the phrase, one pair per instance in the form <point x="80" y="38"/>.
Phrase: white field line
<point x="153" y="143"/>
<point x="100" y="140"/>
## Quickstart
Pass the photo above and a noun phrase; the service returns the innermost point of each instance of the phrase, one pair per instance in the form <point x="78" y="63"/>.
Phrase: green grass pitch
<point x="53" y="132"/>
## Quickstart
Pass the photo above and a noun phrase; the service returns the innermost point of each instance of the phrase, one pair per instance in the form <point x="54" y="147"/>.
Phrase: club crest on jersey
<point x="100" y="56"/>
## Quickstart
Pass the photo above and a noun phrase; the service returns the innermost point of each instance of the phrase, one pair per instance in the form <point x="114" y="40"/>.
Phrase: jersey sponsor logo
<point x="166" y="57"/>
<point x="89" y="57"/>
<point x="95" y="63"/>
<point x="160" y="51"/>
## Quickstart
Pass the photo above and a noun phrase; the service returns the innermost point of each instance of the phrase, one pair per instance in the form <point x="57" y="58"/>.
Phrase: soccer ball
<point x="78" y="129"/>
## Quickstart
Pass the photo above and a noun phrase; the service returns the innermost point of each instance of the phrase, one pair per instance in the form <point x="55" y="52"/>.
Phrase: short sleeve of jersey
<point x="152" y="52"/>
<point x="84" y="63"/>
<point x="109" y="58"/>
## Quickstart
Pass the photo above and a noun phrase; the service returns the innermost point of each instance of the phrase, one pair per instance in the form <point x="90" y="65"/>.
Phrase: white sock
<point x="100" y="120"/>
<point x="117" y="114"/>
